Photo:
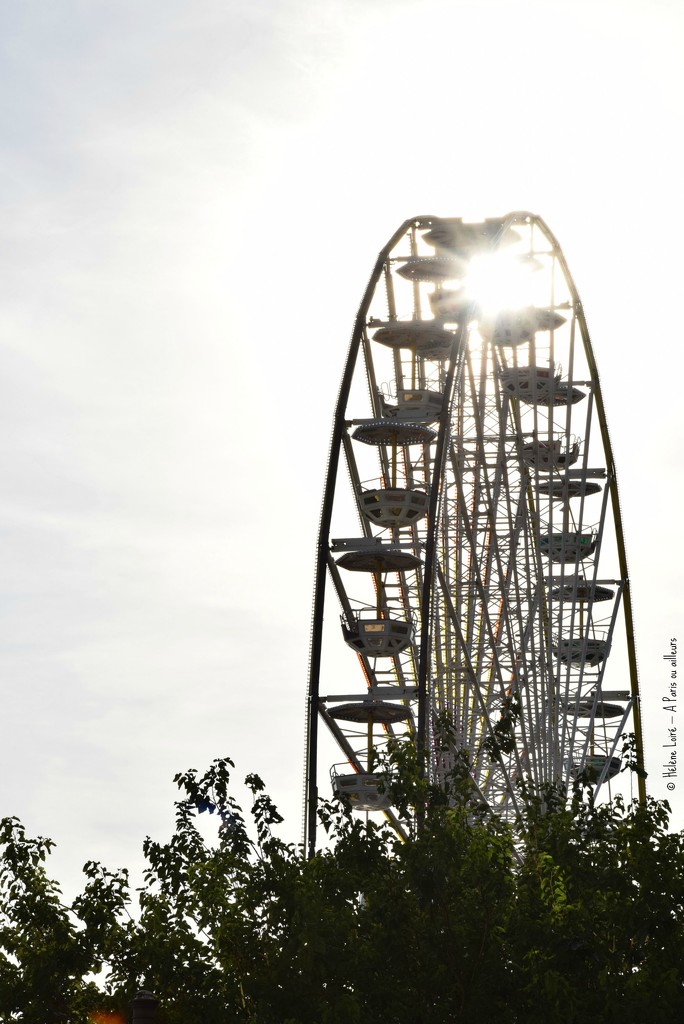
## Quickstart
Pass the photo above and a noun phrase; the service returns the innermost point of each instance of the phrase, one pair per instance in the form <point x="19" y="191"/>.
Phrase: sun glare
<point x="499" y="281"/>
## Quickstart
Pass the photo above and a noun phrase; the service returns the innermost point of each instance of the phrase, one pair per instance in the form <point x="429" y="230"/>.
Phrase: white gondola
<point x="514" y="327"/>
<point x="470" y="239"/>
<point x="598" y="709"/>
<point x="370" y="711"/>
<point x="598" y="764"/>
<point x="550" y="455"/>
<point x="377" y="637"/>
<point x="393" y="432"/>
<point x="427" y="339"/>
<point x="566" y="394"/>
<point x="562" y="490"/>
<point x="594" y="767"/>
<point x="567" y="547"/>
<point x="581" y="651"/>
<point x="538" y="385"/>
<point x="366" y="791"/>
<point x="362" y="554"/>
<point x="582" y="591"/>
<point x="434" y="268"/>
<point x="451" y="305"/>
<point x="416" y="404"/>
<point x="530" y="382"/>
<point x="394" y="506"/>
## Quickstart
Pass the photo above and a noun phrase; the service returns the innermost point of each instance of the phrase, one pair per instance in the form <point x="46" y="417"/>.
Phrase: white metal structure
<point x="471" y="529"/>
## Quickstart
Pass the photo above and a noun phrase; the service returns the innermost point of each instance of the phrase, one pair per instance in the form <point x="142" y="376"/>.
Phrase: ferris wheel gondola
<point x="486" y="583"/>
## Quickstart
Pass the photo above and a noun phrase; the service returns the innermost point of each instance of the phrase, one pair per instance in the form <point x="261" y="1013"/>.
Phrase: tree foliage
<point x="575" y="914"/>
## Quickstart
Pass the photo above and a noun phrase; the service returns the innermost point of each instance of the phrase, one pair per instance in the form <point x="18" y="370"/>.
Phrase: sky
<point x="192" y="197"/>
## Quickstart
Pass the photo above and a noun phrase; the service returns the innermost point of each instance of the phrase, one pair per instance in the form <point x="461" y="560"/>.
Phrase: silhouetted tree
<point x="575" y="914"/>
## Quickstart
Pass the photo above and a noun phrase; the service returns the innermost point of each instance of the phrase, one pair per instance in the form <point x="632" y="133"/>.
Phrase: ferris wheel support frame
<point x="431" y="566"/>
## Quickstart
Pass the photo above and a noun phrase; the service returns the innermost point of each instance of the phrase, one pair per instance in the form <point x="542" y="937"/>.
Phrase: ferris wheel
<point x="471" y="566"/>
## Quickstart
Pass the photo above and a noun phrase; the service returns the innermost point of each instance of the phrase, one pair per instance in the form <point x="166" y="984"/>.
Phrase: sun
<point x="497" y="281"/>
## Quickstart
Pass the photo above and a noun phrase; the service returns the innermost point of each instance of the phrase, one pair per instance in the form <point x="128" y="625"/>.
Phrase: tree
<point x="576" y="914"/>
